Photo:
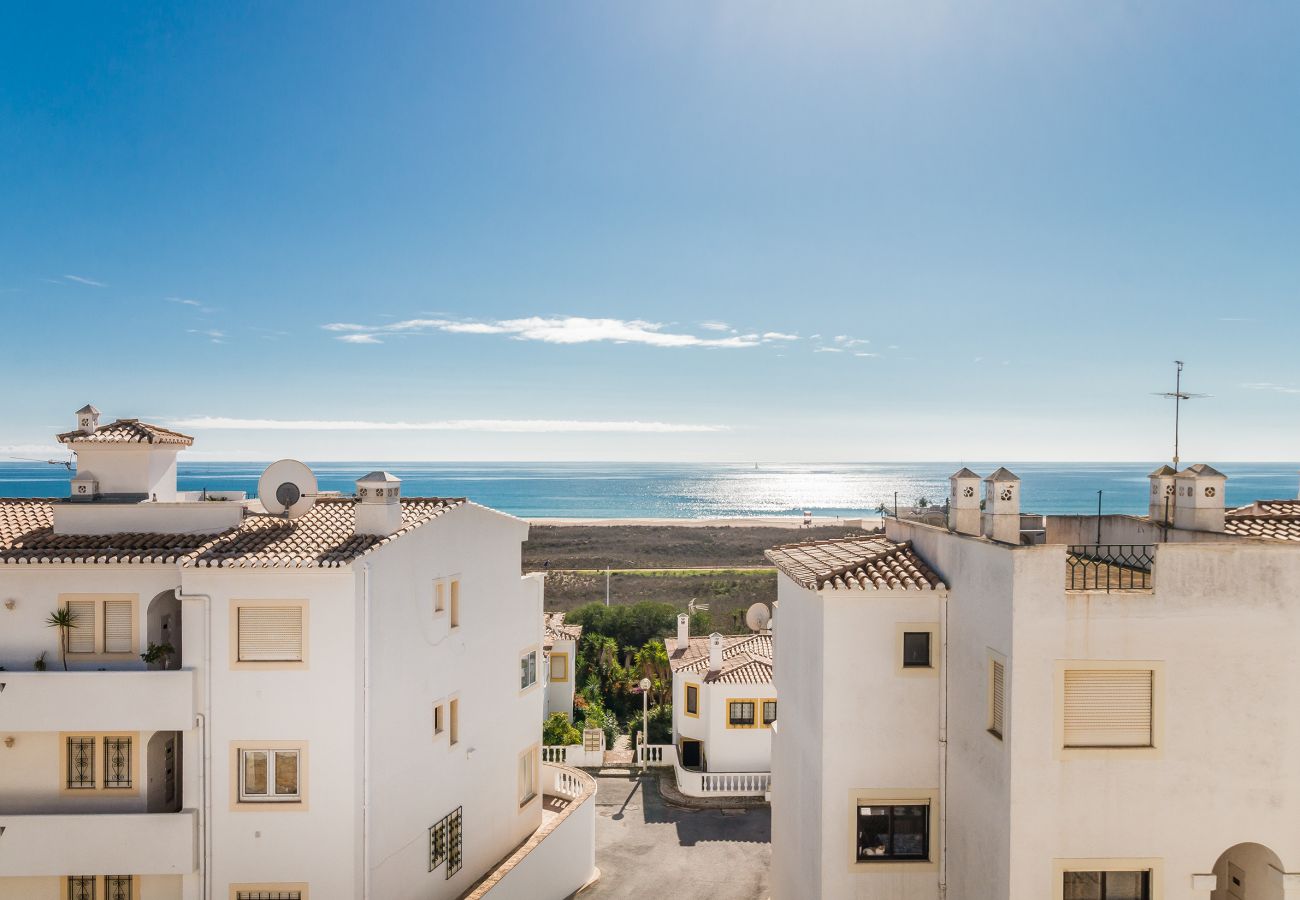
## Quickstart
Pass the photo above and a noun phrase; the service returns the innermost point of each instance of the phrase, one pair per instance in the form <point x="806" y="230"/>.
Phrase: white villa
<point x="724" y="701"/>
<point x="349" y="707"/>
<point x="560" y="650"/>
<point x="1026" y="708"/>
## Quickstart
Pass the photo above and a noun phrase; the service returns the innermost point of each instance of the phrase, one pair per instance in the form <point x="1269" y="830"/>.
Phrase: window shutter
<point x="81" y="638"/>
<point x="117" y="626"/>
<point x="1107" y="708"/>
<point x="997" y="716"/>
<point x="270" y="633"/>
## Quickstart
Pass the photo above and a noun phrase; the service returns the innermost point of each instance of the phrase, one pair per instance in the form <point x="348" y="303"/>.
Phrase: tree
<point x="651" y="662"/>
<point x="558" y="731"/>
<point x="65" y="620"/>
<point x="922" y="502"/>
<point x="661" y="725"/>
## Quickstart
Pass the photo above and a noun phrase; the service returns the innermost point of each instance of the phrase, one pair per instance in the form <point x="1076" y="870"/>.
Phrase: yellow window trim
<point x="98" y="626"/>
<point x="759" y="718"/>
<point x="758" y="711"/>
<point x="686" y="701"/>
<point x="1154" y="865"/>
<point x="299" y="805"/>
<point x="267" y="665"/>
<point x="268" y="887"/>
<point x="101" y="885"/>
<point x="100" y="769"/>
<point x="1154" y="751"/>
<point x="564" y="676"/>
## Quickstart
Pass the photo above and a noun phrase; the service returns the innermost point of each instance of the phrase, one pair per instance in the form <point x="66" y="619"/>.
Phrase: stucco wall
<point x="725" y="749"/>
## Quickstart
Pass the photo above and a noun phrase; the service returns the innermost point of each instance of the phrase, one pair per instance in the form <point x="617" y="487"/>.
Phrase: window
<point x="94" y="887"/>
<point x="1108" y="708"/>
<point x="997" y="697"/>
<point x="455" y="604"/>
<point x="269" y="776"/>
<point x="693" y="700"/>
<point x="1106" y="886"/>
<point x="93" y="762"/>
<point x="445" y="843"/>
<point x="438" y="723"/>
<point x="888" y="833"/>
<point x="528" y="776"/>
<point x="740" y="713"/>
<point x="103" y="625"/>
<point x="439" y="597"/>
<point x="916" y="650"/>
<point x="769" y="712"/>
<point x="269" y="633"/>
<point x="559" y="667"/>
<point x="528" y="670"/>
<point x="454" y="710"/>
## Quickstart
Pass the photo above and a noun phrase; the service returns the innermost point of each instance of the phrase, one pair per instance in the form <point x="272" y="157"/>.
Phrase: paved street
<point x="646" y="848"/>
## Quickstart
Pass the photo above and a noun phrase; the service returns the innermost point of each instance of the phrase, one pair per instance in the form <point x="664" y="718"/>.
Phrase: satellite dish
<point x="758" y="616"/>
<point x="287" y="488"/>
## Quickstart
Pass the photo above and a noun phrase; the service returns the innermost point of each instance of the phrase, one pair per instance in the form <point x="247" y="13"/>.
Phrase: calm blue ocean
<point x="693" y="490"/>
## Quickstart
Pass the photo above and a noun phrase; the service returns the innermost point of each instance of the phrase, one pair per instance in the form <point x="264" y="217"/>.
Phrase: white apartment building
<point x="724" y="701"/>
<point x="560" y="650"/>
<point x="350" y="708"/>
<point x="1043" y="708"/>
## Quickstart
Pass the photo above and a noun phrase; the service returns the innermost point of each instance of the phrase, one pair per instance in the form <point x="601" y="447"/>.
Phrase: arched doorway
<point x="164" y="627"/>
<point x="1248" y="872"/>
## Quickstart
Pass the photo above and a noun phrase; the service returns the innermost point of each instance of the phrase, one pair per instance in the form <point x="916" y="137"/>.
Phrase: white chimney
<point x="379" y="504"/>
<point x="964" y="502"/>
<point x="1001" y="518"/>
<point x="1199" y="491"/>
<point x="715" y="652"/>
<point x="87" y="419"/>
<point x="1161" y="508"/>
<point x="683" y="630"/>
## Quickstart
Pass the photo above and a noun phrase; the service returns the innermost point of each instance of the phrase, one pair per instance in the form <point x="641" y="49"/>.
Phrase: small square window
<point x="916" y="650"/>
<point x="740" y="713"/>
<point x="769" y="712"/>
<point x="268" y="776"/>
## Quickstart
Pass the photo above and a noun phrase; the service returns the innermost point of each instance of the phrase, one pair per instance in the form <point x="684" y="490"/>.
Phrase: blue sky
<point x="718" y="231"/>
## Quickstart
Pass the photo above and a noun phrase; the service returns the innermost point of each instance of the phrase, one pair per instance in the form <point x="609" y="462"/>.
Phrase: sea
<point x="708" y="490"/>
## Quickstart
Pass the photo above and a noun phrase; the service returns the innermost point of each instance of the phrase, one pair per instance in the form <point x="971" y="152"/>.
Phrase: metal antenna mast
<point x="1178" y="395"/>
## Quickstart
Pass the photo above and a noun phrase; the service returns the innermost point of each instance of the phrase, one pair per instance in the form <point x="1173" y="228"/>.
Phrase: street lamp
<point x="645" y="719"/>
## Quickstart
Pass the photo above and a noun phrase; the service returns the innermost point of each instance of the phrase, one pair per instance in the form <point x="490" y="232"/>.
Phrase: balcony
<point x="139" y="843"/>
<point x="1109" y="568"/>
<point x="97" y="701"/>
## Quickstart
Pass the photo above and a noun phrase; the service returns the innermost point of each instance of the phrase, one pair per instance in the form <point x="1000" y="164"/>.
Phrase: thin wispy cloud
<point x="1271" y="386"/>
<point x="845" y="340"/>
<point x="217" y="337"/>
<point x="196" y="305"/>
<point x="545" y="329"/>
<point x="716" y="326"/>
<point x="829" y="350"/>
<point x="77" y="279"/>
<point x="511" y="426"/>
<point x="866" y="354"/>
<point x="779" y="336"/>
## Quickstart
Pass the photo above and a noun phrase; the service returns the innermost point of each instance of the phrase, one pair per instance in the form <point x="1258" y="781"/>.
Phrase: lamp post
<point x="645" y="720"/>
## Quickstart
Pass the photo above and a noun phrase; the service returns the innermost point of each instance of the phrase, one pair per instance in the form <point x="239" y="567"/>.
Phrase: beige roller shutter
<point x="81" y="638"/>
<point x="117" y="626"/>
<point x="1108" y="707"/>
<point x="997" y="715"/>
<point x="270" y="633"/>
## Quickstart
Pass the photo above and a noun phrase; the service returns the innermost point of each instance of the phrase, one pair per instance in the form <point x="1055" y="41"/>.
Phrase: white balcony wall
<point x="160" y="844"/>
<point x="96" y="701"/>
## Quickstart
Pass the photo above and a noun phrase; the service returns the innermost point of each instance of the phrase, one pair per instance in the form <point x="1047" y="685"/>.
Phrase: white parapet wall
<point x="561" y="858"/>
<point x="705" y="784"/>
<point x="97" y="701"/>
<point x="139" y="843"/>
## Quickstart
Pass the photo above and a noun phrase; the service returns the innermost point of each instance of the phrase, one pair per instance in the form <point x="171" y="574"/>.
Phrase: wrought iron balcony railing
<point x="1109" y="567"/>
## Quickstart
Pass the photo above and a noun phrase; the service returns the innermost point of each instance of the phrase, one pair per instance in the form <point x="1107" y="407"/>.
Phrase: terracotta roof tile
<point x="743" y="668"/>
<point x="857" y="563"/>
<point x="1277" y="528"/>
<point x="127" y="431"/>
<point x="746" y="658"/>
<point x="323" y="538"/>
<point x="555" y="629"/>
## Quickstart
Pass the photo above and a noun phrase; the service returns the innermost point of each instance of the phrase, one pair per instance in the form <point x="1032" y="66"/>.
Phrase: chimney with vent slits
<point x="87" y="419"/>
<point x="1198" y="500"/>
<point x="379" y="504"/>
<point x="1162" y="503"/>
<point x="1002" y="507"/>
<point x="964" y="502"/>
<point x="683" y="630"/>
<point x="715" y="652"/>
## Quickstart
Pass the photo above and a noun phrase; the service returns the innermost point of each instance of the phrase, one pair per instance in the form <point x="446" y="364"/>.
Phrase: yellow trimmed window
<point x="692" y="699"/>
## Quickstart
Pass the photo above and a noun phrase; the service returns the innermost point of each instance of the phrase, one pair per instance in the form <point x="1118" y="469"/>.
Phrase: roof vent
<point x="379" y="504"/>
<point x="1002" y="507"/>
<point x="87" y="419"/>
<point x="715" y="652"/>
<point x="964" y="502"/>
<point x="1198" y="498"/>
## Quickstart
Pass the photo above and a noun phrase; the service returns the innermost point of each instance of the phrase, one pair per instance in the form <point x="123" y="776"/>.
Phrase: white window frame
<point x="271" y="755"/>
<point x="528" y="669"/>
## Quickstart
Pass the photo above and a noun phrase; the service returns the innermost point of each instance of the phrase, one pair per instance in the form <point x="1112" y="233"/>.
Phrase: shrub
<point x="559" y="731"/>
<point x="661" y="725"/>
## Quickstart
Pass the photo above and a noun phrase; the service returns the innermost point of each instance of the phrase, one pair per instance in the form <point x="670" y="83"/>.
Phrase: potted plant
<point x="65" y="620"/>
<point x="158" y="654"/>
<point x="39" y="665"/>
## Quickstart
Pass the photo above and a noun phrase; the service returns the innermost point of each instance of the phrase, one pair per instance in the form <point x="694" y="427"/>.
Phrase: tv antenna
<point x="66" y="463"/>
<point x="1178" y="395"/>
<point x="287" y="488"/>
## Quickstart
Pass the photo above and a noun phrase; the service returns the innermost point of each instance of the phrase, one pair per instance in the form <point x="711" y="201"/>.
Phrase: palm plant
<point x="65" y="620"/>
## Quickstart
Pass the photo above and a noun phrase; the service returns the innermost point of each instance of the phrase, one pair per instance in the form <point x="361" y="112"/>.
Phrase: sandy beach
<point x="795" y="522"/>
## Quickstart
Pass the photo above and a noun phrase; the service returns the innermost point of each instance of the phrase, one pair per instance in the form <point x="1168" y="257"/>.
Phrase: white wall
<point x="559" y="694"/>
<point x="725" y="749"/>
<point x="417" y="659"/>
